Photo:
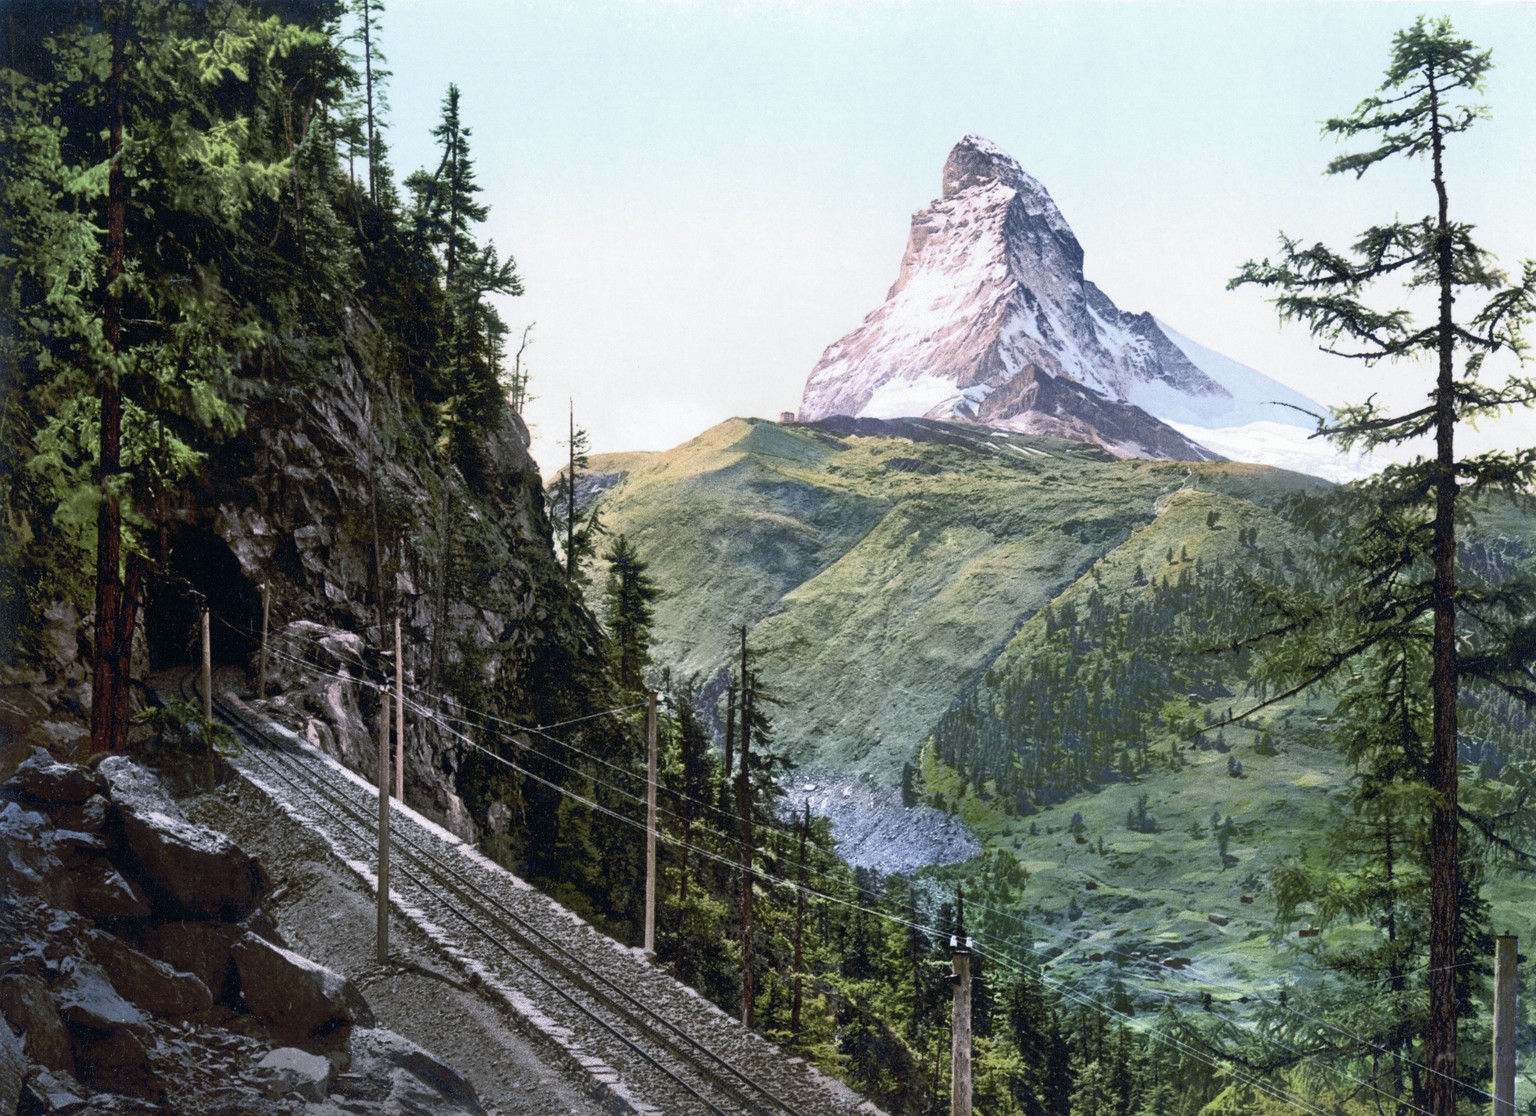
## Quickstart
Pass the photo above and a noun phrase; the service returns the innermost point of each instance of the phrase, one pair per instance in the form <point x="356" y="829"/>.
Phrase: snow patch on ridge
<point x="1255" y="397"/>
<point x="1282" y="445"/>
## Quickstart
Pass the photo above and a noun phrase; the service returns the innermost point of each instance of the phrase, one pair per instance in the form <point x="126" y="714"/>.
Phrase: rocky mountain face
<point x="299" y="503"/>
<point x="992" y="321"/>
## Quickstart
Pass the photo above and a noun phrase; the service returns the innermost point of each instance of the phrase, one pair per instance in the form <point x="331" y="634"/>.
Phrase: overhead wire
<point x="932" y="932"/>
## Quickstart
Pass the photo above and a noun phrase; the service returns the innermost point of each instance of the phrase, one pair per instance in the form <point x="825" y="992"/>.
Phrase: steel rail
<point x="575" y="970"/>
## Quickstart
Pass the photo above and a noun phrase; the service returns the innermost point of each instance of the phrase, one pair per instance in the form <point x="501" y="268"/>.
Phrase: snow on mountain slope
<point x="1251" y="395"/>
<point x="991" y="320"/>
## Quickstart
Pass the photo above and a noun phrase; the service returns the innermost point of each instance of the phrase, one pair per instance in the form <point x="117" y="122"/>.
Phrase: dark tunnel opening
<point x="201" y="566"/>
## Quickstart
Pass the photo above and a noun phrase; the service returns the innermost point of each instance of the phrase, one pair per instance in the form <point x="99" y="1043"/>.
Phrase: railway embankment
<point x="142" y="970"/>
<point x="642" y="1041"/>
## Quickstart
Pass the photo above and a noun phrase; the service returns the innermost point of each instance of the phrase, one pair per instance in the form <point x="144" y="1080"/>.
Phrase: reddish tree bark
<point x="115" y="595"/>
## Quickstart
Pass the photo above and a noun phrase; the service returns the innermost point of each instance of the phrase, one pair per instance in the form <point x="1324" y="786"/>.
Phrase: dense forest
<point x="200" y="217"/>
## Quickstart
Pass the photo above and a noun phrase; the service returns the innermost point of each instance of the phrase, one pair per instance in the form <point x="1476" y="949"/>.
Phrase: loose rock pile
<point x="138" y="972"/>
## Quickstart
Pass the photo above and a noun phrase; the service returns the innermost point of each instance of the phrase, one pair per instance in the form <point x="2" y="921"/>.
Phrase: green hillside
<point x="882" y="575"/>
<point x="1039" y="630"/>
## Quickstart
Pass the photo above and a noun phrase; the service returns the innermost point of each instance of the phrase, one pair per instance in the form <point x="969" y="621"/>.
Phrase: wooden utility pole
<point x="202" y="616"/>
<point x="650" y="825"/>
<point x="1506" y="961"/>
<point x="570" y="499"/>
<point x="794" y="1004"/>
<point x="744" y="808"/>
<point x="960" y="1030"/>
<point x="261" y="660"/>
<point x="399" y="717"/>
<point x="383" y="919"/>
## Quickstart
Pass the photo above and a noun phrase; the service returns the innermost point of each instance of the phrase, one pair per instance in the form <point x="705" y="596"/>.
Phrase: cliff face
<point x="321" y="476"/>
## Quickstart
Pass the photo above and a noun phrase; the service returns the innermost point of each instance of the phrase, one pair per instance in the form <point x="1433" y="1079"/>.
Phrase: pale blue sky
<point x="703" y="196"/>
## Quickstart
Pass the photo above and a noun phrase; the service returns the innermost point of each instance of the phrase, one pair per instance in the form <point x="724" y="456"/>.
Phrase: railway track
<point x="653" y="1044"/>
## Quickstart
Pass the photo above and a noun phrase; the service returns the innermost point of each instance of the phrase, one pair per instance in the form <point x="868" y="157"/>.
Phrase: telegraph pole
<point x="399" y="716"/>
<point x="202" y="616"/>
<point x="744" y="807"/>
<point x="794" y="1009"/>
<point x="650" y="825"/>
<point x="960" y="1029"/>
<point x="261" y="661"/>
<point x="1506" y="960"/>
<point x="383" y="917"/>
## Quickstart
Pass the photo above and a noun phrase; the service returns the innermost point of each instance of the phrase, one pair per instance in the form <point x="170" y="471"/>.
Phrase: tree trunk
<point x="794" y="1007"/>
<point x="1444" y="829"/>
<point x="111" y="656"/>
<point x="744" y="807"/>
<point x="373" y="152"/>
<point x="730" y="728"/>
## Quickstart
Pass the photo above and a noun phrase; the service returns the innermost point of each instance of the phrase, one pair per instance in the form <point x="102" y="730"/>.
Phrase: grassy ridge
<point x="882" y="575"/>
<point x="890" y="580"/>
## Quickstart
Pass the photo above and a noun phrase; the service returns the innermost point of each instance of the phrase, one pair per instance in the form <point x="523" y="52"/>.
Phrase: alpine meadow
<point x="1036" y="713"/>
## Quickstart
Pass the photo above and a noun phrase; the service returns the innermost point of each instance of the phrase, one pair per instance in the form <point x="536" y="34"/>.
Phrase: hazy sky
<point x="702" y="196"/>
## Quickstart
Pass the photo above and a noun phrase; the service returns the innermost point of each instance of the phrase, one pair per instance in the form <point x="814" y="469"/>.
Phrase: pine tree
<point x="1420" y="107"/>
<point x="164" y="219"/>
<point x="631" y="597"/>
<point x="443" y="212"/>
<point x="577" y="528"/>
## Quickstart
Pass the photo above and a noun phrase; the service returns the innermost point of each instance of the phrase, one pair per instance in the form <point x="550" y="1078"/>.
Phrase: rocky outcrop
<point x="992" y="321"/>
<point x="296" y="999"/>
<point x="464" y="549"/>
<point x="185" y="1002"/>
<point x="188" y="869"/>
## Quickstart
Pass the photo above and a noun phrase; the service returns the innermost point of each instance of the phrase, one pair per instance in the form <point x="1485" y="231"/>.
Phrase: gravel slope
<point x="326" y="913"/>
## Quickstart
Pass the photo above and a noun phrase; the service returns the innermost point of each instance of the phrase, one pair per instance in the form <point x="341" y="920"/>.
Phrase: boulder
<point x="89" y="816"/>
<point x="418" y="1081"/>
<point x="136" y="789"/>
<point x="118" y="1062"/>
<point x="99" y="891"/>
<point x="28" y="865"/>
<point x="87" y="999"/>
<point x="149" y="984"/>
<point x="202" y="949"/>
<point x="70" y="740"/>
<point x="41" y="778"/>
<point x="60" y="1092"/>
<point x="295" y="998"/>
<point x="188" y="869"/>
<point x="26" y="1005"/>
<point x="290" y="1070"/>
<point x="13" y="1069"/>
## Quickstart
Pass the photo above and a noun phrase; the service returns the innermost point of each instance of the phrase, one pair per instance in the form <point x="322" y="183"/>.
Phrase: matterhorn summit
<point x="991" y="321"/>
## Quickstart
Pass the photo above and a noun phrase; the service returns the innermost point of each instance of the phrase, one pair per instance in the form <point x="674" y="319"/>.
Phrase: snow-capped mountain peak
<point x="991" y="320"/>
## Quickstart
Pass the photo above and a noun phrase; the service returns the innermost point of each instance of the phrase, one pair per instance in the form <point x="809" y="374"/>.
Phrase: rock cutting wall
<point x="299" y="500"/>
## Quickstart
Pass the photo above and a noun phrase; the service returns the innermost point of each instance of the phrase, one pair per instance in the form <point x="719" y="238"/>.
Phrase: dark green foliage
<point x="1090" y="701"/>
<point x="574" y="513"/>
<point x="629" y="607"/>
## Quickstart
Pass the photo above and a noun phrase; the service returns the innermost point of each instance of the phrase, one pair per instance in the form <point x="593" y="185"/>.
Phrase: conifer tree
<point x="631" y="597"/>
<point x="577" y="529"/>
<point x="157" y="198"/>
<point x="444" y="211"/>
<point x="1421" y="105"/>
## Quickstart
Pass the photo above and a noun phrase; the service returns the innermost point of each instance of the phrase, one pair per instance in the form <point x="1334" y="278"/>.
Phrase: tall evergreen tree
<point x="630" y="601"/>
<point x="160" y="189"/>
<point x="444" y="211"/>
<point x="1421" y="105"/>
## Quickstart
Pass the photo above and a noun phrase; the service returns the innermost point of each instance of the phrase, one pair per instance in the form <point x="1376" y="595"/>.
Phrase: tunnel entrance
<point x="200" y="563"/>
